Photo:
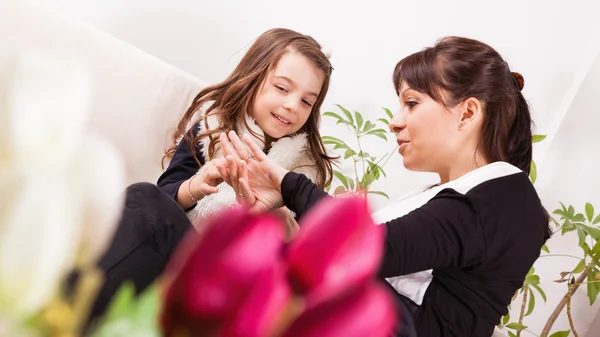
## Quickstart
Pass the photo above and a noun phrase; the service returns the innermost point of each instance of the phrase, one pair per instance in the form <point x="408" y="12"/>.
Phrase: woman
<point x="477" y="233"/>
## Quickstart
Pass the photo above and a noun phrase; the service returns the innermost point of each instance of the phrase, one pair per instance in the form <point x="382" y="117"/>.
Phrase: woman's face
<point x="428" y="132"/>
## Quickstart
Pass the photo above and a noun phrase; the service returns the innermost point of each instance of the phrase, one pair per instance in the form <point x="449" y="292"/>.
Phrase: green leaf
<point x="128" y="316"/>
<point x="122" y="301"/>
<point x="533" y="172"/>
<point x="511" y="334"/>
<point x="369" y="178"/>
<point x="595" y="250"/>
<point x="516" y="326"/>
<point x="505" y="319"/>
<point x="589" y="211"/>
<point x="341" y="121"/>
<point x="349" y="153"/>
<point x="328" y="188"/>
<point x="592" y="231"/>
<point x="347" y="113"/>
<point x="332" y="114"/>
<point x="540" y="291"/>
<point x="586" y="249"/>
<point x="339" y="190"/>
<point x="379" y="193"/>
<point x="545" y="248"/>
<point x="359" y="119"/>
<point x="341" y="178"/>
<point x="368" y="126"/>
<point x="578" y="218"/>
<point x="537" y="138"/>
<point x="376" y="131"/>
<point x="593" y="288"/>
<point x="389" y="113"/>
<point x="568" y="227"/>
<point x="596" y="220"/>
<point x="384" y="121"/>
<point x="581" y="234"/>
<point x="351" y="183"/>
<point x="570" y="212"/>
<point x="580" y="267"/>
<point x="330" y="139"/>
<point x="380" y="135"/>
<point x="340" y="146"/>
<point x="564" y="333"/>
<point x="532" y="279"/>
<point x="531" y="304"/>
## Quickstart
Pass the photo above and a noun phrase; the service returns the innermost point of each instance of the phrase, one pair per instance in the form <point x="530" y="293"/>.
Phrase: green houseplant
<point x="367" y="168"/>
<point x="585" y="271"/>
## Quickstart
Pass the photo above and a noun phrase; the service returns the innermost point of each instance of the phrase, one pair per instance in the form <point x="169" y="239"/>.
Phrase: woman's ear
<point x="471" y="111"/>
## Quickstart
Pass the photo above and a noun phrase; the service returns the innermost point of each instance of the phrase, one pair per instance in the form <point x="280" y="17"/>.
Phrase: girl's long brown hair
<point x="233" y="98"/>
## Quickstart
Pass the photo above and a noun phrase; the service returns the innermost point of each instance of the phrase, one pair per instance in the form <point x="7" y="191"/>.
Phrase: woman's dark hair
<point x="457" y="68"/>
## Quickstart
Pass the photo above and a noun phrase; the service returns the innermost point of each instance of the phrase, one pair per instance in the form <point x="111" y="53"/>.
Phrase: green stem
<point x="561" y="255"/>
<point x="388" y="155"/>
<point x="356" y="174"/>
<point x="531" y="332"/>
<point x="362" y="158"/>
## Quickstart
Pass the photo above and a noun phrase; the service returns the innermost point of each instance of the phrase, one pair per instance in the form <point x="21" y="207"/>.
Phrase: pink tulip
<point x="338" y="247"/>
<point x="213" y="272"/>
<point x="258" y="315"/>
<point x="365" y="311"/>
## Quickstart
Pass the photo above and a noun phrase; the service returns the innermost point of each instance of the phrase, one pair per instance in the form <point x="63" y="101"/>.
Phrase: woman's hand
<point x="250" y="172"/>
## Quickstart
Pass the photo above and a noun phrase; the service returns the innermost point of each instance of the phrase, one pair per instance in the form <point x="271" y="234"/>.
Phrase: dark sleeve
<point x="181" y="168"/>
<point x="445" y="232"/>
<point x="299" y="193"/>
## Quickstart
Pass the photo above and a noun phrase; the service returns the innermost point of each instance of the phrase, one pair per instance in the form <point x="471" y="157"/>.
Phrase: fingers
<point x="228" y="149"/>
<point x="232" y="164"/>
<point x="256" y="151"/>
<point x="221" y="166"/>
<point x="206" y="189"/>
<point x="212" y="176"/>
<point x="241" y="149"/>
<point x="245" y="186"/>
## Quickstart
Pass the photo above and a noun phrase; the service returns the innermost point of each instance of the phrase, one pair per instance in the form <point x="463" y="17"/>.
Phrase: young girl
<point x="274" y="94"/>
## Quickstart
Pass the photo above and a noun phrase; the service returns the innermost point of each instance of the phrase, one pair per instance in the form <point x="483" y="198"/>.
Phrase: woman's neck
<point x="460" y="168"/>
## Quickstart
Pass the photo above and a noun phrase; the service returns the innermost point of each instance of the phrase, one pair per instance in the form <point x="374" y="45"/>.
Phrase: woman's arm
<point x="445" y="232"/>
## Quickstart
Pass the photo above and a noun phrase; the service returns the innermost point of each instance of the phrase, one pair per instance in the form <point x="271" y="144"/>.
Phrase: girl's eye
<point x="280" y="88"/>
<point x="307" y="103"/>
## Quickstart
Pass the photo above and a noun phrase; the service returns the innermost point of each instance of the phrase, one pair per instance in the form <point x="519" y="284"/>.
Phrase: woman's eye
<point x="411" y="104"/>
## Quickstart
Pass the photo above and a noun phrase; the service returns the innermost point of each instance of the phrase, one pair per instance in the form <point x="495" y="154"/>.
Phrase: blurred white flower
<point x="61" y="187"/>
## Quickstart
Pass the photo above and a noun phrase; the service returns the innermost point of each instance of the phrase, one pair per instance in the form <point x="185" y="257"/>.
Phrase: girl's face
<point x="286" y="98"/>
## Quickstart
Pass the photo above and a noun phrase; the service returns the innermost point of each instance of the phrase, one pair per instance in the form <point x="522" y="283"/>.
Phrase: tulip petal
<point x="366" y="311"/>
<point x="331" y="237"/>
<point x="354" y="266"/>
<point x="261" y="309"/>
<point x="214" y="272"/>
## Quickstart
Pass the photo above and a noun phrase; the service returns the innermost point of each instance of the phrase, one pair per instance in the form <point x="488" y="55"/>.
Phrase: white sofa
<point x="136" y="98"/>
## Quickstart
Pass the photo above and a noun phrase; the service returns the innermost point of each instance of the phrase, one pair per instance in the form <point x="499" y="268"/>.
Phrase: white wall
<point x="551" y="43"/>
